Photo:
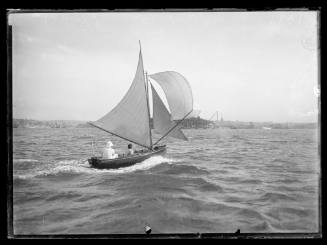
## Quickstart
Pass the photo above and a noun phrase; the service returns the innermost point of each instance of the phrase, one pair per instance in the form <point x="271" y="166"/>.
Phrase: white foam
<point x="68" y="166"/>
<point x="25" y="176"/>
<point x="146" y="164"/>
<point x="82" y="166"/>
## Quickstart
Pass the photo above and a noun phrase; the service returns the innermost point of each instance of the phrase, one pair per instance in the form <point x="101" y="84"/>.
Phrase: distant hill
<point x="30" y="123"/>
<point x="194" y="122"/>
<point x="197" y="122"/>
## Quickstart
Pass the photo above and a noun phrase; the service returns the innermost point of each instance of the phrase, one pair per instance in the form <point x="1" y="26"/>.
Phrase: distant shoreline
<point x="190" y="123"/>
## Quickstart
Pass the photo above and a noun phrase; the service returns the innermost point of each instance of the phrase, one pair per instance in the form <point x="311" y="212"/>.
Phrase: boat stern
<point x="93" y="161"/>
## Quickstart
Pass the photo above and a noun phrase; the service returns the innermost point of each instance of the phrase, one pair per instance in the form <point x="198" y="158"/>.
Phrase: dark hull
<point x="126" y="161"/>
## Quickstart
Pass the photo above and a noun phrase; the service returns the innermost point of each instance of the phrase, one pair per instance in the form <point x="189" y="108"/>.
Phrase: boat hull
<point x="127" y="160"/>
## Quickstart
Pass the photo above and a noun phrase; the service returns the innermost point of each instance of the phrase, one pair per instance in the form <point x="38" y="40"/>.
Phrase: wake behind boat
<point x="130" y="119"/>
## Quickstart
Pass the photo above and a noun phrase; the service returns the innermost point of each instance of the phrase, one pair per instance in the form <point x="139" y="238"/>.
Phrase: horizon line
<point x="188" y="118"/>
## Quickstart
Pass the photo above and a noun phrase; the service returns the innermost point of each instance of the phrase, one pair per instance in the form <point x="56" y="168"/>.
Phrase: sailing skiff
<point x="127" y="160"/>
<point x="130" y="119"/>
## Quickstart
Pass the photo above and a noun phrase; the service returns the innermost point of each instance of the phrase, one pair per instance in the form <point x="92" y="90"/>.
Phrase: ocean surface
<point x="221" y="180"/>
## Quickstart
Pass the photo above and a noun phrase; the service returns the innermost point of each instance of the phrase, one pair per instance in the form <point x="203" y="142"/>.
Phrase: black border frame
<point x="9" y="145"/>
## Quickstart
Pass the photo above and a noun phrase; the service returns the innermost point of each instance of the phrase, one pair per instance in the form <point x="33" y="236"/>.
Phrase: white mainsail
<point x="161" y="119"/>
<point x="130" y="118"/>
<point x="178" y="93"/>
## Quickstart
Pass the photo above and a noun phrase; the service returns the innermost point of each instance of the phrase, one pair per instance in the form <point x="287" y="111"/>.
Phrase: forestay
<point x="130" y="119"/>
<point x="162" y="123"/>
<point x="178" y="93"/>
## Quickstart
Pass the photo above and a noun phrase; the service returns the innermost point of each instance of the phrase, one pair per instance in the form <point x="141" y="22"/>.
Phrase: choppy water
<point x="219" y="181"/>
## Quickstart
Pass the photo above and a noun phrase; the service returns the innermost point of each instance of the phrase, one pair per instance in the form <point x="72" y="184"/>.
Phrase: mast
<point x="148" y="106"/>
<point x="147" y="99"/>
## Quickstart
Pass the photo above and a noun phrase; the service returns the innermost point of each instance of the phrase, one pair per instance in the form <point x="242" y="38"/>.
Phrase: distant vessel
<point x="214" y="124"/>
<point x="267" y="128"/>
<point x="130" y="119"/>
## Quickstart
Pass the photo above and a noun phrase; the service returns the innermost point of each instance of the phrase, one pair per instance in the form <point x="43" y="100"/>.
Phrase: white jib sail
<point x="178" y="93"/>
<point x="161" y="119"/>
<point x="130" y="119"/>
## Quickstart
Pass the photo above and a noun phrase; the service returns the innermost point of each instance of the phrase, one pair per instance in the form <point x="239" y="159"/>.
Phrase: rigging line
<point x="118" y="135"/>
<point x="173" y="127"/>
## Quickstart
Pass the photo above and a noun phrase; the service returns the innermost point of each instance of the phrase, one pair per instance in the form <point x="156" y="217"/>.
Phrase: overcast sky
<point x="248" y="66"/>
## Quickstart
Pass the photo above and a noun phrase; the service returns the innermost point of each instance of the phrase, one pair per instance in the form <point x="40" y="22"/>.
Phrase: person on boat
<point x="109" y="152"/>
<point x="130" y="149"/>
